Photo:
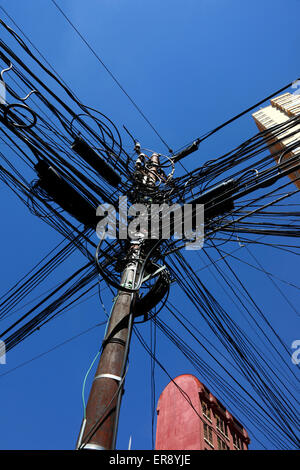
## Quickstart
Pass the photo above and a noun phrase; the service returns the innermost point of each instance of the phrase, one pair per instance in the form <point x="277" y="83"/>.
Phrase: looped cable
<point x="21" y="125"/>
<point x="6" y="70"/>
<point x="29" y="94"/>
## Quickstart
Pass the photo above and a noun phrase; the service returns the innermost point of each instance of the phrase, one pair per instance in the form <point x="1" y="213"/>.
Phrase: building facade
<point x="189" y="417"/>
<point x="284" y="142"/>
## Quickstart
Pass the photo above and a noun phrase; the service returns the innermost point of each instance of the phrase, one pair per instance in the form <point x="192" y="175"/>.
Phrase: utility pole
<point x="99" y="427"/>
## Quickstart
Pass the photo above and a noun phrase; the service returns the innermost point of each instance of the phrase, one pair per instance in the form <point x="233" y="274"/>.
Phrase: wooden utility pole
<point x="99" y="427"/>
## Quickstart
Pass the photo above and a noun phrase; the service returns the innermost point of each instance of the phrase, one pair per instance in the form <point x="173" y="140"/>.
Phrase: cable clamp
<point x="113" y="340"/>
<point x="162" y="268"/>
<point x="108" y="376"/>
<point x="93" y="447"/>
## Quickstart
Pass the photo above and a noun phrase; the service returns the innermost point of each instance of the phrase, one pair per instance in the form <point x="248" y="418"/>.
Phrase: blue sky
<point x="190" y="66"/>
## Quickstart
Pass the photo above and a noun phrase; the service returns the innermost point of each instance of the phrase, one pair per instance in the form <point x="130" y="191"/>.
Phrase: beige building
<point x="282" y="109"/>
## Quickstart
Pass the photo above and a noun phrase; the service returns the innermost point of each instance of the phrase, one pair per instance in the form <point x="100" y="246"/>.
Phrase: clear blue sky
<point x="190" y="66"/>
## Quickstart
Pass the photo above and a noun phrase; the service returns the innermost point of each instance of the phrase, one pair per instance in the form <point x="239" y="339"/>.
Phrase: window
<point x="259" y="114"/>
<point x="221" y="425"/>
<point x="208" y="433"/>
<point x="206" y="410"/>
<point x="221" y="444"/>
<point x="237" y="441"/>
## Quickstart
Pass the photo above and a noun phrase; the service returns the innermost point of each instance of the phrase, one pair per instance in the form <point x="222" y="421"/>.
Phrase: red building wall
<point x="189" y="417"/>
